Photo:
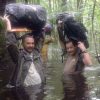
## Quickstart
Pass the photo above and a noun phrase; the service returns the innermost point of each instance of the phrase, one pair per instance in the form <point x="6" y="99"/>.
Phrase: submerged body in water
<point x="73" y="80"/>
<point x="75" y="87"/>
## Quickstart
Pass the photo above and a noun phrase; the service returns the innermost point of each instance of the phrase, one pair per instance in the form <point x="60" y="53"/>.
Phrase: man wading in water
<point x="74" y="50"/>
<point x="30" y="74"/>
<point x="77" y="59"/>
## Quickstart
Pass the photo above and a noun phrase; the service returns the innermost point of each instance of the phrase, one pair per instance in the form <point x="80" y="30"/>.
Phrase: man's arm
<point x="7" y="22"/>
<point x="86" y="56"/>
<point x="20" y="30"/>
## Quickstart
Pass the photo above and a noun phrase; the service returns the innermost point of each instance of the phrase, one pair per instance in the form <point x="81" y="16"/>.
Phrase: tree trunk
<point x="93" y="31"/>
<point x="64" y="2"/>
<point x="79" y="7"/>
<point x="2" y="5"/>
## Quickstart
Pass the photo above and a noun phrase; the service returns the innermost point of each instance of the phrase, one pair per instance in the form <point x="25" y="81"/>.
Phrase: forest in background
<point x="85" y="11"/>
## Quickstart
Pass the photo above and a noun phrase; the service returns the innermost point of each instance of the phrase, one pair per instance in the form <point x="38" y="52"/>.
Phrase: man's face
<point x="71" y="49"/>
<point x="28" y="44"/>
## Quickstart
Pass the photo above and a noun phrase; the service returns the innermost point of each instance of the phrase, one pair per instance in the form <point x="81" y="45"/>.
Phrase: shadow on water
<point x="8" y="95"/>
<point x="20" y="93"/>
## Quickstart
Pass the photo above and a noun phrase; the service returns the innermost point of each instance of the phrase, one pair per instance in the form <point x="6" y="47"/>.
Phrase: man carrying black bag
<point x="22" y="18"/>
<point x="30" y="78"/>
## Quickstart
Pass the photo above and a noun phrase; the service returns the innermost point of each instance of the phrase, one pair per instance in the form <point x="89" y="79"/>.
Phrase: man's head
<point x="28" y="43"/>
<point x="71" y="47"/>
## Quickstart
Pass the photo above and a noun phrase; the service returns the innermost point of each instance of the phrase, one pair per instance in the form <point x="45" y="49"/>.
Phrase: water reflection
<point x="22" y="93"/>
<point x="75" y="87"/>
<point x="7" y="94"/>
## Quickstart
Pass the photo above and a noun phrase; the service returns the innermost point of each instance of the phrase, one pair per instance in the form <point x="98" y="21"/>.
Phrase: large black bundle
<point x="30" y="16"/>
<point x="73" y="29"/>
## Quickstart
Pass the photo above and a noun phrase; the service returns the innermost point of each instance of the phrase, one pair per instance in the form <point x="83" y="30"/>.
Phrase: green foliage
<point x="2" y="38"/>
<point x="2" y="26"/>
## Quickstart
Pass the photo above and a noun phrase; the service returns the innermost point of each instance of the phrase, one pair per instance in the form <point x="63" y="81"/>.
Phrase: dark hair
<point x="26" y="36"/>
<point x="74" y="42"/>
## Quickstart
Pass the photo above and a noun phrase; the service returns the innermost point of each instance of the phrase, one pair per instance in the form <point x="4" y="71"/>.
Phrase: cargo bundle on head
<point x="68" y="27"/>
<point x="32" y="17"/>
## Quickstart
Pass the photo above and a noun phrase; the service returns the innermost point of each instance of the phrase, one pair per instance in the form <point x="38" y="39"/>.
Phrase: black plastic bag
<point x="30" y="16"/>
<point x="72" y="28"/>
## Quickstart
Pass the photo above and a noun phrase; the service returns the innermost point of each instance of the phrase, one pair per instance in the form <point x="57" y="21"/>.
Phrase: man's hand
<point x="81" y="46"/>
<point x="6" y="18"/>
<point x="7" y="21"/>
<point x="86" y="57"/>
